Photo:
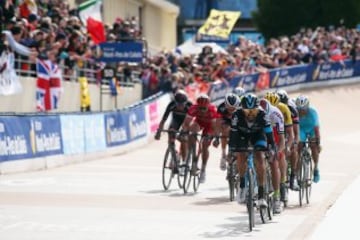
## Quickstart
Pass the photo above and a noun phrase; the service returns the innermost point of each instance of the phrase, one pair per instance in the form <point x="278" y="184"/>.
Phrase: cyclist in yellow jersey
<point x="274" y="99"/>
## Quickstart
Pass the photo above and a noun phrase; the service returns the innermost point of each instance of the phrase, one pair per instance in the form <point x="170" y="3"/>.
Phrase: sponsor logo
<point x="286" y="79"/>
<point x="14" y="145"/>
<point x="326" y="73"/>
<point x="137" y="128"/>
<point x="43" y="142"/>
<point x="114" y="134"/>
<point x="2" y="128"/>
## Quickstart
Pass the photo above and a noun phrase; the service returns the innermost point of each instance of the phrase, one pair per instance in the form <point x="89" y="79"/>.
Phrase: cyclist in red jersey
<point x="202" y="116"/>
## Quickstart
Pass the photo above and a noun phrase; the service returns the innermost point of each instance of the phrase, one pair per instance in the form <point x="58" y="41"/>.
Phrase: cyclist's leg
<point x="205" y="146"/>
<point x="260" y="145"/>
<point x="183" y="144"/>
<point x="225" y="130"/>
<point x="239" y="147"/>
<point x="315" y="156"/>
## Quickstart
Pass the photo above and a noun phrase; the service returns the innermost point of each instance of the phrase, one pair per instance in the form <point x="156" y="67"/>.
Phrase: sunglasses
<point x="251" y="112"/>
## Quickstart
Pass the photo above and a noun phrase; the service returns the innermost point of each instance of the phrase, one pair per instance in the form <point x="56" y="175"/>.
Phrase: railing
<point x="89" y="69"/>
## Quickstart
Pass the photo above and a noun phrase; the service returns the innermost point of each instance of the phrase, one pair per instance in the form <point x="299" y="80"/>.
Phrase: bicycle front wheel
<point x="168" y="169"/>
<point x="231" y="180"/>
<point x="309" y="180"/>
<point x="187" y="172"/>
<point x="250" y="200"/>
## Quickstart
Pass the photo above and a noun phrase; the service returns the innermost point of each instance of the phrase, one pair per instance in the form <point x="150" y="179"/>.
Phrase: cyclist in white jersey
<point x="277" y="122"/>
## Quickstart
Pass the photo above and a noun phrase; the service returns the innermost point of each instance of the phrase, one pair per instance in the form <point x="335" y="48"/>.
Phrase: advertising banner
<point x="94" y="132"/>
<point x="45" y="135"/>
<point x="73" y="134"/>
<point x="154" y="115"/>
<point x="116" y="127"/>
<point x="15" y="138"/>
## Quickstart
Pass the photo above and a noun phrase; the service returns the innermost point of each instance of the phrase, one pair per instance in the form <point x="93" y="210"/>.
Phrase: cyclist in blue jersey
<point x="309" y="125"/>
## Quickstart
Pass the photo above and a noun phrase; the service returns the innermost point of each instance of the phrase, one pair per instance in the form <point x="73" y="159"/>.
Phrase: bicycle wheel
<point x="250" y="199"/>
<point x="168" y="169"/>
<point x="187" y="172"/>
<point x="195" y="175"/>
<point x="265" y="213"/>
<point x="309" y="180"/>
<point x="301" y="180"/>
<point x="180" y="175"/>
<point x="231" y="181"/>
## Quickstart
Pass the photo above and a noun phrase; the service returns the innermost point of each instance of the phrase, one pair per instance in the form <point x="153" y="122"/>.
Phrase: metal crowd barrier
<point x="90" y="69"/>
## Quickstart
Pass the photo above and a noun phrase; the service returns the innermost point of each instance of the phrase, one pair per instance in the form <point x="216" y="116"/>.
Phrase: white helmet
<point x="302" y="102"/>
<point x="232" y="100"/>
<point x="239" y="91"/>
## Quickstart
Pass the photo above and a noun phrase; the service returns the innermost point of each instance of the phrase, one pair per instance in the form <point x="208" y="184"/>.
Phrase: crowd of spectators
<point x="169" y="70"/>
<point x="50" y="26"/>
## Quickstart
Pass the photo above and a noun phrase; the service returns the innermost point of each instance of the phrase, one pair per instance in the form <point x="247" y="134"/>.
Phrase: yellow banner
<point x="219" y="23"/>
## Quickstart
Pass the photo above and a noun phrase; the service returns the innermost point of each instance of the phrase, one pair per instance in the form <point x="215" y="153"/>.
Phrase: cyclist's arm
<point x="186" y="123"/>
<point x="165" y="116"/>
<point x="316" y="125"/>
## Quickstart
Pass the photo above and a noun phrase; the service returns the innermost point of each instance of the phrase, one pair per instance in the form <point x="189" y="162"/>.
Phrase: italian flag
<point x="90" y="15"/>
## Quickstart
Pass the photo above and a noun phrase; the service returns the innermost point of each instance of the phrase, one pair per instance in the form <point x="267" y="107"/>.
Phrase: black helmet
<point x="180" y="96"/>
<point x="249" y="101"/>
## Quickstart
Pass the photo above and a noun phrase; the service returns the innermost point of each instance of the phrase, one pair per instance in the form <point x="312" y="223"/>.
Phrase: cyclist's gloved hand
<point x="216" y="142"/>
<point x="158" y="135"/>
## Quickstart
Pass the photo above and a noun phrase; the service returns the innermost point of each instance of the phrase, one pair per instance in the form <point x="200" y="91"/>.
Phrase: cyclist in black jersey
<point x="178" y="107"/>
<point x="226" y="110"/>
<point x="251" y="126"/>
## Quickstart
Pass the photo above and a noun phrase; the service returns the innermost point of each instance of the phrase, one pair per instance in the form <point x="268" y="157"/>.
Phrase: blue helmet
<point x="249" y="101"/>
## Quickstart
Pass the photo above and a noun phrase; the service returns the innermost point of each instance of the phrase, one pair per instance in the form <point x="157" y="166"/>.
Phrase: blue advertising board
<point x="288" y="76"/>
<point x="117" y="132"/>
<point x="15" y="138"/>
<point x="45" y="135"/>
<point x="73" y="134"/>
<point x="121" y="52"/>
<point x="94" y="132"/>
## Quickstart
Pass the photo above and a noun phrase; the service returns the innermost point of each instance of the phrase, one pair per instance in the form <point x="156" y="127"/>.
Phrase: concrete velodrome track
<point x="121" y="197"/>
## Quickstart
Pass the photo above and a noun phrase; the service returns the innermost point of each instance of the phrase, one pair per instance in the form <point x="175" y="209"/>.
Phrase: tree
<point x="285" y="17"/>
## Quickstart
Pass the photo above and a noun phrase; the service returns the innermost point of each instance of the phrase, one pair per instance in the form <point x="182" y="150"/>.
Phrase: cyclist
<point x="274" y="99"/>
<point x="178" y="107"/>
<point x="309" y="125"/>
<point x="239" y="91"/>
<point x="250" y="125"/>
<point x="226" y="110"/>
<point x="293" y="154"/>
<point x="277" y="122"/>
<point x="202" y="116"/>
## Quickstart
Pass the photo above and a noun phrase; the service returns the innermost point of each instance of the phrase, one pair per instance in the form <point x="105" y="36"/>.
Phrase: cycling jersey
<point x="178" y="115"/>
<point x="307" y="123"/>
<point x="204" y="119"/>
<point x="286" y="113"/>
<point x="294" y="112"/>
<point x="224" y="113"/>
<point x="242" y="132"/>
<point x="277" y="122"/>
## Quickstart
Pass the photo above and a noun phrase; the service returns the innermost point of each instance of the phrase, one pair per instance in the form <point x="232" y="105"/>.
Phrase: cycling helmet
<point x="302" y="102"/>
<point x="265" y="104"/>
<point x="180" y="97"/>
<point x="203" y="100"/>
<point x="232" y="100"/>
<point x="273" y="98"/>
<point x="239" y="91"/>
<point x="284" y="98"/>
<point x="249" y="101"/>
